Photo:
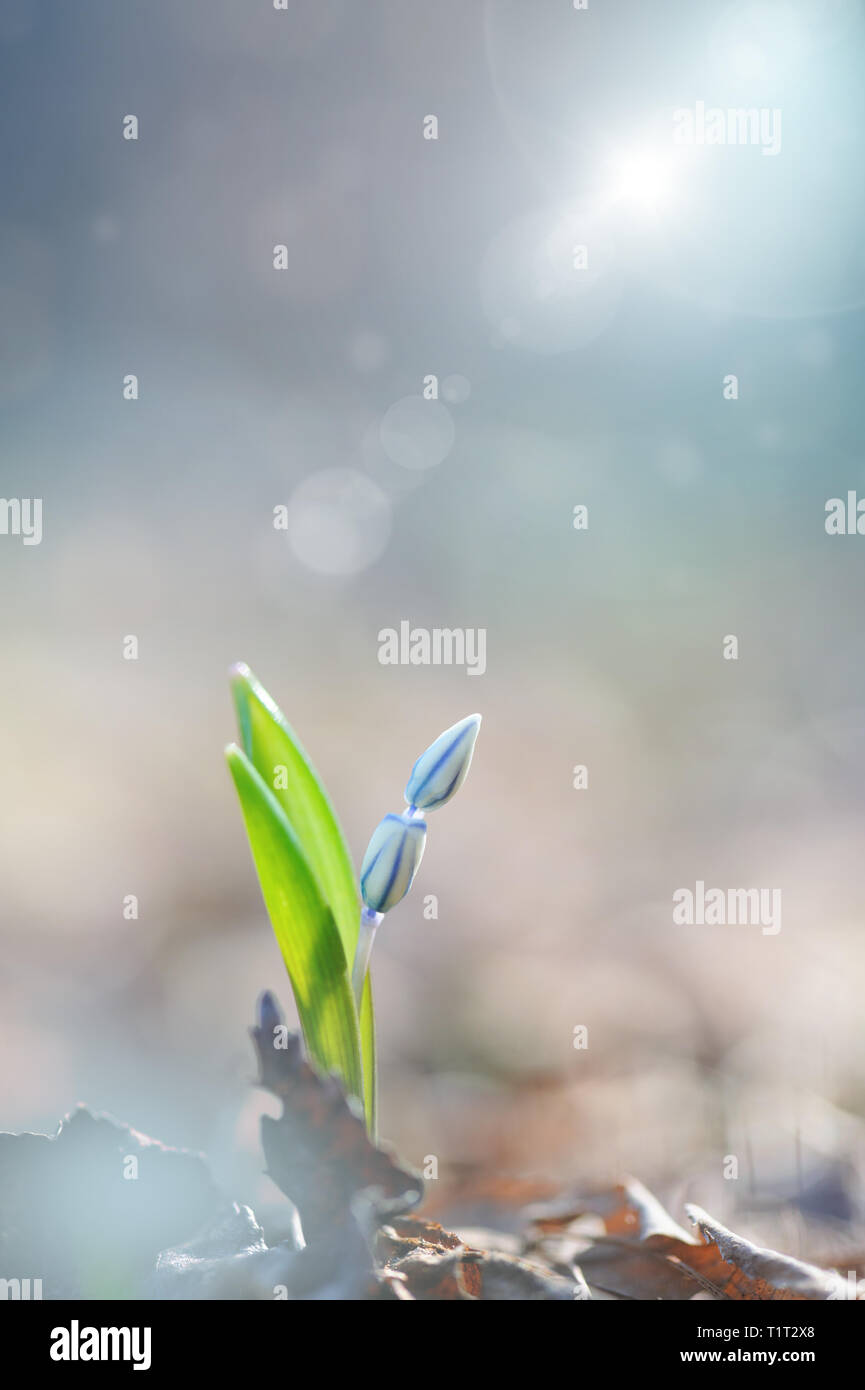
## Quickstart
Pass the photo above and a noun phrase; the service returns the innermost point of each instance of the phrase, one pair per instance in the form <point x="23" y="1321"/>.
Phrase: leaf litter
<point x="356" y="1234"/>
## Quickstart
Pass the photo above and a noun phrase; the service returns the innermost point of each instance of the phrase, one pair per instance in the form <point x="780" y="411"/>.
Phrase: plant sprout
<point x="308" y="881"/>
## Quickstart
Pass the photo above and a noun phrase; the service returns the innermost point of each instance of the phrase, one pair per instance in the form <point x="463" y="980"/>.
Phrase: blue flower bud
<point x="441" y="770"/>
<point x="391" y="860"/>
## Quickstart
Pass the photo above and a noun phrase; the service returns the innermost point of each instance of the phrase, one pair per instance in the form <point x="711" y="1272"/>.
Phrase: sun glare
<point x="642" y="180"/>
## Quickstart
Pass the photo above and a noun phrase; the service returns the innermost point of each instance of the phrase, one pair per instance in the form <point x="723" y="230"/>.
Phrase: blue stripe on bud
<point x="441" y="770"/>
<point x="391" y="860"/>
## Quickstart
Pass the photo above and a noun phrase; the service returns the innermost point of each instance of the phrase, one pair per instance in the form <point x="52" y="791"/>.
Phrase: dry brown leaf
<point x="318" y="1152"/>
<point x="746" y="1271"/>
<point x="400" y="1237"/>
<point x="435" y="1264"/>
<point x="447" y="1275"/>
<point x="633" y="1259"/>
<point x="479" y="1276"/>
<point x="643" y="1253"/>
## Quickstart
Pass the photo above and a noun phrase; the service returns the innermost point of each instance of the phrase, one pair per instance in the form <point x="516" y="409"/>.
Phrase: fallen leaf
<point x="628" y="1253"/>
<point x="318" y="1152"/>
<point x="746" y="1271"/>
<point x="399" y="1238"/>
<point x="642" y="1252"/>
<point x="230" y="1260"/>
<point x="436" y="1264"/>
<point x="88" y="1209"/>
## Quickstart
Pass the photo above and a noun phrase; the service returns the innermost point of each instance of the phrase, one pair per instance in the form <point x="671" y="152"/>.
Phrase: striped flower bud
<point x="391" y="860"/>
<point x="441" y="770"/>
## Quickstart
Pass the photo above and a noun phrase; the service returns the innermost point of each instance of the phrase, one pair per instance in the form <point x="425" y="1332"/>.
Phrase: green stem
<point x="369" y="920"/>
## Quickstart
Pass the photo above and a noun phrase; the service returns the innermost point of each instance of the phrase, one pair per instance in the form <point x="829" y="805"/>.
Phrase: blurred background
<point x="410" y="257"/>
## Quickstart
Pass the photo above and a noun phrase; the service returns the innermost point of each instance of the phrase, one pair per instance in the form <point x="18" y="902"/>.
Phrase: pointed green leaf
<point x="304" y="926"/>
<point x="278" y="756"/>
<point x="272" y="745"/>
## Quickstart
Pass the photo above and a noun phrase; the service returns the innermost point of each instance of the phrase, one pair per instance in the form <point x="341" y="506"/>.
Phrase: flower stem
<point x="369" y="920"/>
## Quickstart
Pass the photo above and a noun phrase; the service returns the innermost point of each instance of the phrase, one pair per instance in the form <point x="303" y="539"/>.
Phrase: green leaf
<point x="304" y="928"/>
<point x="271" y="744"/>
